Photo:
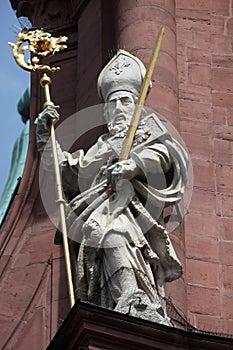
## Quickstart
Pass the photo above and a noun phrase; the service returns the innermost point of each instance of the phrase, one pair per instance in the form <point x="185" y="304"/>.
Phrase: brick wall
<point x="205" y="70"/>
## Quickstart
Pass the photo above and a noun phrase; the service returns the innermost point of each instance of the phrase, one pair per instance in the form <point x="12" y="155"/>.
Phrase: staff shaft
<point x="45" y="82"/>
<point x="128" y="141"/>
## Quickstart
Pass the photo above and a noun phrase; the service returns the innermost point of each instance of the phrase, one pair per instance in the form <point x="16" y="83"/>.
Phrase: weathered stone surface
<point x="199" y="74"/>
<point x="191" y="126"/>
<point x="223" y="152"/>
<point x="222" y="79"/>
<point x="204" y="174"/>
<point x="202" y="300"/>
<point x="219" y="116"/>
<point x="224" y="177"/>
<point x="225" y="253"/>
<point x="198" y="55"/>
<point x="203" y="5"/>
<point x="225" y="228"/>
<point x="191" y="109"/>
<point x="229" y="113"/>
<point x="227" y="277"/>
<point x="220" y="44"/>
<point x="227" y="305"/>
<point x="204" y="50"/>
<point x="221" y="8"/>
<point x="196" y="248"/>
<point x="217" y="24"/>
<point x="202" y="40"/>
<point x="229" y="26"/>
<point x="203" y="273"/>
<point x="198" y="146"/>
<point x="202" y="226"/>
<point x="208" y="323"/>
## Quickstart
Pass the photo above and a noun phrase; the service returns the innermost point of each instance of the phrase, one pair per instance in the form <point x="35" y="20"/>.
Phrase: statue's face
<point x="120" y="108"/>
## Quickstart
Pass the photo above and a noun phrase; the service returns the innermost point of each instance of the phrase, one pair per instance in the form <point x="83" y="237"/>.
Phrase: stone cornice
<point x="49" y="14"/>
<point x="90" y="327"/>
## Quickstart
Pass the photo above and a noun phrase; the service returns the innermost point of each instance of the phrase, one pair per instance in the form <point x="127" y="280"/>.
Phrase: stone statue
<point x="125" y="255"/>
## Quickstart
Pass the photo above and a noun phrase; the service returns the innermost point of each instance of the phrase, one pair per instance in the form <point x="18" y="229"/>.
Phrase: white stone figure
<point x="125" y="255"/>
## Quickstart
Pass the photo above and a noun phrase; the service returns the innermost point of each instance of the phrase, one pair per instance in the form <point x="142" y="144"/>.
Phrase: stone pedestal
<point x="88" y="327"/>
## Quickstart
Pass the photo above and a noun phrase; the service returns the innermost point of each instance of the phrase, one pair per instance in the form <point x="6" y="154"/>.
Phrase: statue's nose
<point x="118" y="105"/>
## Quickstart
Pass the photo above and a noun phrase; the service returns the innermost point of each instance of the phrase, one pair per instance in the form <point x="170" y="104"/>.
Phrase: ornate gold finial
<point x="40" y="44"/>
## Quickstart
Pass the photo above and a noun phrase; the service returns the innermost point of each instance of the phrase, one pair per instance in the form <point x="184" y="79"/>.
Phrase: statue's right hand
<point x="46" y="116"/>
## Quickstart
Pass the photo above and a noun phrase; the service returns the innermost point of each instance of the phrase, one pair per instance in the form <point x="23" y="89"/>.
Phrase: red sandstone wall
<point x="205" y="71"/>
<point x="138" y="23"/>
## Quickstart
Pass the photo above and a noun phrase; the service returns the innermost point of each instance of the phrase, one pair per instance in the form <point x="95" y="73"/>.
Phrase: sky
<point x="13" y="81"/>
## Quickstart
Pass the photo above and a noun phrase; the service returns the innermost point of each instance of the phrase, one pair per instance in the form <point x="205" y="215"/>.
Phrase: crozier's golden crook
<point x="41" y="44"/>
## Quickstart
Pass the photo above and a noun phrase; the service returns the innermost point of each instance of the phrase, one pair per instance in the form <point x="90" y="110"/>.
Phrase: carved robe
<point x="125" y="254"/>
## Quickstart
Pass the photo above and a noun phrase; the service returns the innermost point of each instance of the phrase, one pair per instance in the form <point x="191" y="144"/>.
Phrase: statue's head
<point x="119" y="86"/>
<point x="119" y="108"/>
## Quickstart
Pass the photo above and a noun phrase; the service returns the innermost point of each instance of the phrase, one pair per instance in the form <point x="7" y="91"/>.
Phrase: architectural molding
<point x="91" y="327"/>
<point x="49" y="14"/>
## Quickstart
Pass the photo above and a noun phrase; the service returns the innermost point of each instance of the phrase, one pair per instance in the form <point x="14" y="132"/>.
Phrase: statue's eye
<point x="126" y="101"/>
<point x="112" y="103"/>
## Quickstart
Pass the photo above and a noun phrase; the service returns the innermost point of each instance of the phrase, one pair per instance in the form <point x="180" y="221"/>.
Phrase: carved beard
<point x="116" y="128"/>
<point x="115" y="125"/>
